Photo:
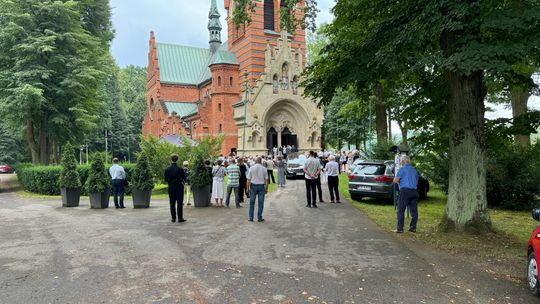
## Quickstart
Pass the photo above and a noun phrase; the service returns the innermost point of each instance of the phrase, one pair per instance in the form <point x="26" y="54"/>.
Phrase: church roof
<point x="180" y="64"/>
<point x="182" y="109"/>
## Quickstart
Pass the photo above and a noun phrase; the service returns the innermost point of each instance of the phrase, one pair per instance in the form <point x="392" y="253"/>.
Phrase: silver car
<point x="375" y="179"/>
<point x="295" y="167"/>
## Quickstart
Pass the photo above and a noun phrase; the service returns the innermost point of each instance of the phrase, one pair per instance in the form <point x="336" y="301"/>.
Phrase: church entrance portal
<point x="287" y="138"/>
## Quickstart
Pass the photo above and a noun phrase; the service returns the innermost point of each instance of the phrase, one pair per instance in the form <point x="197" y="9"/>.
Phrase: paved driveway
<point x="332" y="254"/>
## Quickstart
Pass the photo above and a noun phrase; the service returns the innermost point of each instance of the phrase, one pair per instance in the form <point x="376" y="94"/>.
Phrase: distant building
<point x="196" y="92"/>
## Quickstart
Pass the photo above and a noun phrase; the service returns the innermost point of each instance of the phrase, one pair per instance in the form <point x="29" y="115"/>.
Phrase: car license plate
<point x="299" y="173"/>
<point x="364" y="188"/>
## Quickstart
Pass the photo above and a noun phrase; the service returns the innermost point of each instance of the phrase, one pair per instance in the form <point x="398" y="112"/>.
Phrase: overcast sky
<point x="184" y="22"/>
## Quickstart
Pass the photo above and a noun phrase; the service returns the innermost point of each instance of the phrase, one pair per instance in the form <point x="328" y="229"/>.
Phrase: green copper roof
<point x="189" y="65"/>
<point x="182" y="109"/>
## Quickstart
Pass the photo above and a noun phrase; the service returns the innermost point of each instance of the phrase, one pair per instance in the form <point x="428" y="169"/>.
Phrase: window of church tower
<point x="219" y="107"/>
<point x="230" y="81"/>
<point x="220" y="128"/>
<point x="219" y="81"/>
<point x="285" y="77"/>
<point x="152" y="104"/>
<point x="269" y="15"/>
<point x="275" y="85"/>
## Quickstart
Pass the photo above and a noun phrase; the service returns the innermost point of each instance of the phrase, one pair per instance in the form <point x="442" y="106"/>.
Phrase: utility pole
<point x="87" y="154"/>
<point x="246" y="92"/>
<point x="106" y="143"/>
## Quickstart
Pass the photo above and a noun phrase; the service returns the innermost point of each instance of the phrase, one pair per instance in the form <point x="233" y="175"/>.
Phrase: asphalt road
<point x="333" y="254"/>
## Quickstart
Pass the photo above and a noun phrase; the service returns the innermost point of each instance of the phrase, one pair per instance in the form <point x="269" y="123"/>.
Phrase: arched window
<point x="152" y="104"/>
<point x="269" y="15"/>
<point x="220" y="128"/>
<point x="275" y="85"/>
<point x="285" y="76"/>
<point x="230" y="81"/>
<point x="219" y="81"/>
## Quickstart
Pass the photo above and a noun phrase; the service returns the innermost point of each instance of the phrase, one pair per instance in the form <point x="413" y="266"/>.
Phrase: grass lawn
<point x="503" y="251"/>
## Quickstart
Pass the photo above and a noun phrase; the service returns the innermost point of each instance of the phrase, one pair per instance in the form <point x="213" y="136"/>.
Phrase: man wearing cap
<point x="407" y="179"/>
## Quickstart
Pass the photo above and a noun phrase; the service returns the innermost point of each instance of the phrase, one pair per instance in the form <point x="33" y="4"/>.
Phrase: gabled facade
<point x="197" y="92"/>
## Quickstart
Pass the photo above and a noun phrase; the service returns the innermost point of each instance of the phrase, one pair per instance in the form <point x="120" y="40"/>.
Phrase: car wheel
<point x="355" y="196"/>
<point x="532" y="275"/>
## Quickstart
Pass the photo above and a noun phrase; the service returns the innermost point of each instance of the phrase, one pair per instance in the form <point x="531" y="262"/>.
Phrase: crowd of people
<point x="250" y="176"/>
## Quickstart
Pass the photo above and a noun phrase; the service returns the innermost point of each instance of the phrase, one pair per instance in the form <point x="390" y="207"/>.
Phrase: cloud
<point x="173" y="21"/>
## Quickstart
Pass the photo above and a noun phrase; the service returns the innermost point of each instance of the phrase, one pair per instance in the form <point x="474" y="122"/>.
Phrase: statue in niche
<point x="294" y="85"/>
<point x="285" y="77"/>
<point x="275" y="85"/>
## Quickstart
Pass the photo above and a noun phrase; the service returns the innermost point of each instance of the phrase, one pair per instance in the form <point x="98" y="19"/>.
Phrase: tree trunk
<point x="380" y="114"/>
<point x="404" y="130"/>
<point x="389" y="114"/>
<point x="30" y="139"/>
<point x="519" y="98"/>
<point x="466" y="209"/>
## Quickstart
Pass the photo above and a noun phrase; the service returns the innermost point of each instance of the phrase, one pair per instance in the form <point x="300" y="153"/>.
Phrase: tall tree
<point x="51" y="66"/>
<point x="460" y="40"/>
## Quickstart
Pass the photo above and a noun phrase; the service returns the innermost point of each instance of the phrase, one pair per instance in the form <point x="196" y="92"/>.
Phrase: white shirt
<point x="269" y="164"/>
<point x="311" y="166"/>
<point x="117" y="172"/>
<point x="332" y="168"/>
<point x="257" y="175"/>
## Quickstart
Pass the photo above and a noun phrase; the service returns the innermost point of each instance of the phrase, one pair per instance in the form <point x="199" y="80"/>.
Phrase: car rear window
<point x="370" y="169"/>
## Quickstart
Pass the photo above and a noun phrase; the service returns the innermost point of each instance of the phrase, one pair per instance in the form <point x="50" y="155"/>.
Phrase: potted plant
<point x="69" y="181"/>
<point x="199" y="180"/>
<point x="98" y="183"/>
<point x="142" y="182"/>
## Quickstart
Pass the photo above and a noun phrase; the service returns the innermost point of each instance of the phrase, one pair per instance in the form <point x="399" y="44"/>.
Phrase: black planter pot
<point x="141" y="198"/>
<point x="201" y="196"/>
<point x="70" y="197"/>
<point x="100" y="200"/>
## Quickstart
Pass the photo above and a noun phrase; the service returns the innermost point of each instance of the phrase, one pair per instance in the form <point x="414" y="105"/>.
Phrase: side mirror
<point x="536" y="214"/>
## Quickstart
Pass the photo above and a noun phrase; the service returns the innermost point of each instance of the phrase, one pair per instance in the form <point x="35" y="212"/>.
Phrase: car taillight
<point x="351" y="178"/>
<point x="383" y="179"/>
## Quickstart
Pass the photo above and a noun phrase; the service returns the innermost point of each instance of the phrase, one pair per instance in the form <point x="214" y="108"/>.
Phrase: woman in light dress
<point x="281" y="166"/>
<point x="218" y="179"/>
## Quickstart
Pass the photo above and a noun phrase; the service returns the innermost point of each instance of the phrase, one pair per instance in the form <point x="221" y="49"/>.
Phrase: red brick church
<point x="195" y="92"/>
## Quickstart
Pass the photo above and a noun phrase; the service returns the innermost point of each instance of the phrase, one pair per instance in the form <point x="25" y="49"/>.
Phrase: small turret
<point x="214" y="27"/>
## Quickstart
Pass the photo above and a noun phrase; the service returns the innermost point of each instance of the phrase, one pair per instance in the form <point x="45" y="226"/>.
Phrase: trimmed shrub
<point x="198" y="176"/>
<point x="44" y="179"/>
<point x="98" y="178"/>
<point x="69" y="177"/>
<point x="141" y="178"/>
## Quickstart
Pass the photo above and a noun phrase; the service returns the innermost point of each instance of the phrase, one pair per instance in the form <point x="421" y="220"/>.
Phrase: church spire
<point x="214" y="27"/>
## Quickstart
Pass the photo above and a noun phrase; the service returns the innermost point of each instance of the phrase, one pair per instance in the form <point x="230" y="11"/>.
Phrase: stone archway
<point x="289" y="120"/>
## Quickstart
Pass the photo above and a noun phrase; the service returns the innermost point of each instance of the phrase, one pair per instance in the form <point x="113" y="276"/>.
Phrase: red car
<point x="533" y="254"/>
<point x="6" y="169"/>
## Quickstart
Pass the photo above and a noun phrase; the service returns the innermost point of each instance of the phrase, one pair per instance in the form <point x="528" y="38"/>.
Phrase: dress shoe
<point x="173" y="220"/>
<point x="122" y="207"/>
<point x="315" y="206"/>
<point x="260" y="220"/>
<point x="413" y="230"/>
<point x="308" y="205"/>
<point x="182" y="220"/>
<point x="250" y="220"/>
<point x="321" y="201"/>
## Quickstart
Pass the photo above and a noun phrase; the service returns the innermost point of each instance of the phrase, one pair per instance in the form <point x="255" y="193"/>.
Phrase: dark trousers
<point x="176" y="198"/>
<point x="408" y="198"/>
<point x="319" y="189"/>
<point x="311" y="192"/>
<point x="271" y="176"/>
<point x="241" y="190"/>
<point x="333" y="183"/>
<point x="118" y="190"/>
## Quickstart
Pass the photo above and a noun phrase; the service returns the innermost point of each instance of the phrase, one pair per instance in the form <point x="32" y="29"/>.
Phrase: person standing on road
<point x="218" y="176"/>
<point x="407" y="179"/>
<point x="281" y="167"/>
<point x="233" y="172"/>
<point x="270" y="169"/>
<point x="175" y="178"/>
<point x="257" y="185"/>
<point x="118" y="175"/>
<point x="318" y="180"/>
<point x="242" y="180"/>
<point x="312" y="168"/>
<point x="332" y="170"/>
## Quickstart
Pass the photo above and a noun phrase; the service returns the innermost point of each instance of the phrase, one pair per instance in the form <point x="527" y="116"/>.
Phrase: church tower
<point x="214" y="27"/>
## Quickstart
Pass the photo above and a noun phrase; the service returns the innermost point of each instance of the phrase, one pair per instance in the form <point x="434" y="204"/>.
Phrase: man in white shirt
<point x="332" y="170"/>
<point x="312" y="168"/>
<point x="257" y="185"/>
<point x="270" y="169"/>
<point x="118" y="175"/>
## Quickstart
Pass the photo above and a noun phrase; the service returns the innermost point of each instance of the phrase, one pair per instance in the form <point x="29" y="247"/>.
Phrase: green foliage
<point x="69" y="177"/>
<point x="12" y="147"/>
<point x="512" y="178"/>
<point x="434" y="167"/>
<point x="159" y="154"/>
<point x="44" y="179"/>
<point x="141" y="178"/>
<point x="98" y="178"/>
<point x="381" y="151"/>
<point x="51" y="66"/>
<point x="199" y="176"/>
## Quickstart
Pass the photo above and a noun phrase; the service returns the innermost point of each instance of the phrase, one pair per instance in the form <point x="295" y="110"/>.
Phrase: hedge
<point x="44" y="179"/>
